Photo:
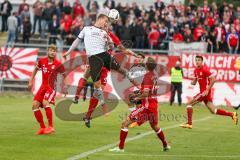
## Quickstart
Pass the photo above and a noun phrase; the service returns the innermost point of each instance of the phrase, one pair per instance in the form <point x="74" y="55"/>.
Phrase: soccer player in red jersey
<point x="50" y="68"/>
<point x="206" y="80"/>
<point x="148" y="111"/>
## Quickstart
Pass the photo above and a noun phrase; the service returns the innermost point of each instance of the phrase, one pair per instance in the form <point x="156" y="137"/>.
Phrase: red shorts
<point x="142" y="115"/>
<point x="205" y="99"/>
<point x="45" y="93"/>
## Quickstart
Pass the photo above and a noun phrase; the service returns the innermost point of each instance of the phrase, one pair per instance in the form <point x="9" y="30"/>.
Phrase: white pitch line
<point x="85" y="154"/>
<point x="170" y="155"/>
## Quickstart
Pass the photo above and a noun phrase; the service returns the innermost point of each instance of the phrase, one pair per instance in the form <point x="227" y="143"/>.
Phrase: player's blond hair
<point x="52" y="47"/>
<point x="100" y="16"/>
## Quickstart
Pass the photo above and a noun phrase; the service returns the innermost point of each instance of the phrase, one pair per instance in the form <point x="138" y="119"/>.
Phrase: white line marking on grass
<point x="170" y="155"/>
<point x="85" y="154"/>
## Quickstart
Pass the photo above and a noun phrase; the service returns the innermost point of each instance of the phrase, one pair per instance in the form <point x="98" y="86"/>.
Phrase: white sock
<point x="98" y="93"/>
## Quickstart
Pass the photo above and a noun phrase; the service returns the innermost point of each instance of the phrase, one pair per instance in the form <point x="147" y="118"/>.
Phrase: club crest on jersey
<point x="53" y="66"/>
<point x="200" y="73"/>
<point x="45" y="69"/>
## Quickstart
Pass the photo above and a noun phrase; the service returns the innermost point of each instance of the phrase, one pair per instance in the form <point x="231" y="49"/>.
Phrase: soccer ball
<point x="113" y="15"/>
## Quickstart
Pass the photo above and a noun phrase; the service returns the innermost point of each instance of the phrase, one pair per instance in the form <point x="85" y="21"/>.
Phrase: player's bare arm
<point x="65" y="87"/>
<point x="144" y="94"/>
<point x="126" y="51"/>
<point x="74" y="45"/>
<point x="194" y="81"/>
<point x="30" y="83"/>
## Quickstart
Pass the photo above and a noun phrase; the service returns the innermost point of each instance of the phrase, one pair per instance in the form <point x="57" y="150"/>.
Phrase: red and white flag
<point x="17" y="63"/>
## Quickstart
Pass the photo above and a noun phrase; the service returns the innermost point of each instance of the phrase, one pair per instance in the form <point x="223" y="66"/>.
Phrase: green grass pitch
<point x="213" y="137"/>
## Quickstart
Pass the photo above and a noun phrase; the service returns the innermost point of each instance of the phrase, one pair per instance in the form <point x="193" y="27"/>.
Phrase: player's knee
<point x="190" y="102"/>
<point x="45" y="103"/>
<point x="35" y="105"/>
<point x="155" y="127"/>
<point x="97" y="84"/>
<point x="124" y="124"/>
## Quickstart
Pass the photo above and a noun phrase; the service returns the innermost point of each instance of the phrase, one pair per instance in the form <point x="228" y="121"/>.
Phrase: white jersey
<point x="95" y="40"/>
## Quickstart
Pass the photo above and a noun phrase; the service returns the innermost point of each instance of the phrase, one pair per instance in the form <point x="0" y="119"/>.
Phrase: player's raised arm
<point x="75" y="43"/>
<point x="119" y="45"/>
<point x="127" y="51"/>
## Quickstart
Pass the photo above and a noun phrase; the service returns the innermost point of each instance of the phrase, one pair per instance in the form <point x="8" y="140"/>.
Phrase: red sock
<point x="39" y="117"/>
<point x="162" y="137"/>
<point x="92" y="105"/>
<point x="189" y="114"/>
<point x="49" y="115"/>
<point x="81" y="84"/>
<point x="123" y="136"/>
<point x="223" y="112"/>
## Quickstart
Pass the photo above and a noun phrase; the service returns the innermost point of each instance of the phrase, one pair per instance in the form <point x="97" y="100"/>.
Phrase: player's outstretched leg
<point x="92" y="105"/>
<point x="81" y="84"/>
<point x="122" y="137"/>
<point x="39" y="117"/>
<point x="222" y="112"/>
<point x="161" y="136"/>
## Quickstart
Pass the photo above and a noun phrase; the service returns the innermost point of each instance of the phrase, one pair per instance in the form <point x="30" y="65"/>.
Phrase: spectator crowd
<point x="144" y="26"/>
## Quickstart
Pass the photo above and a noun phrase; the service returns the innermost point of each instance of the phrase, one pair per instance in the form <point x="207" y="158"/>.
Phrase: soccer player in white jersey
<point x="96" y="43"/>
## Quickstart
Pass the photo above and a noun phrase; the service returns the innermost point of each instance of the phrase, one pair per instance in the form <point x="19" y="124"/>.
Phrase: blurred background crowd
<point x="149" y="27"/>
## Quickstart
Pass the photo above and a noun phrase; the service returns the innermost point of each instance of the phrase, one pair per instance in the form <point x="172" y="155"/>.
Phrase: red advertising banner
<point x="165" y="60"/>
<point x="224" y="67"/>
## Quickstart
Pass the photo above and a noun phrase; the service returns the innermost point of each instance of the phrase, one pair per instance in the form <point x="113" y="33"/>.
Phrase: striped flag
<point x="17" y="63"/>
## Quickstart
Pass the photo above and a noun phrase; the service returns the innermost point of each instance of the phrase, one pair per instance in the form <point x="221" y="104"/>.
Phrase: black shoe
<point x="84" y="99"/>
<point x="166" y="148"/>
<point x="87" y="122"/>
<point x="75" y="100"/>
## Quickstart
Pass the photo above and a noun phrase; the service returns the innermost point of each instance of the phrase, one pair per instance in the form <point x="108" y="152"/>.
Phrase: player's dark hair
<point x="151" y="64"/>
<point x="200" y="57"/>
<point x="100" y="16"/>
<point x="141" y="54"/>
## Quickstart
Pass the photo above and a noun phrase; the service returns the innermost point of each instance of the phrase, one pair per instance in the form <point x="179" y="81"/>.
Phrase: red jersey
<point x="78" y="10"/>
<point x="49" y="71"/>
<point x="178" y="37"/>
<point x="198" y="32"/>
<point x="233" y="39"/>
<point x="202" y="74"/>
<point x="210" y="21"/>
<point x="149" y="82"/>
<point x="66" y="23"/>
<point x="205" y="9"/>
<point x="153" y="37"/>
